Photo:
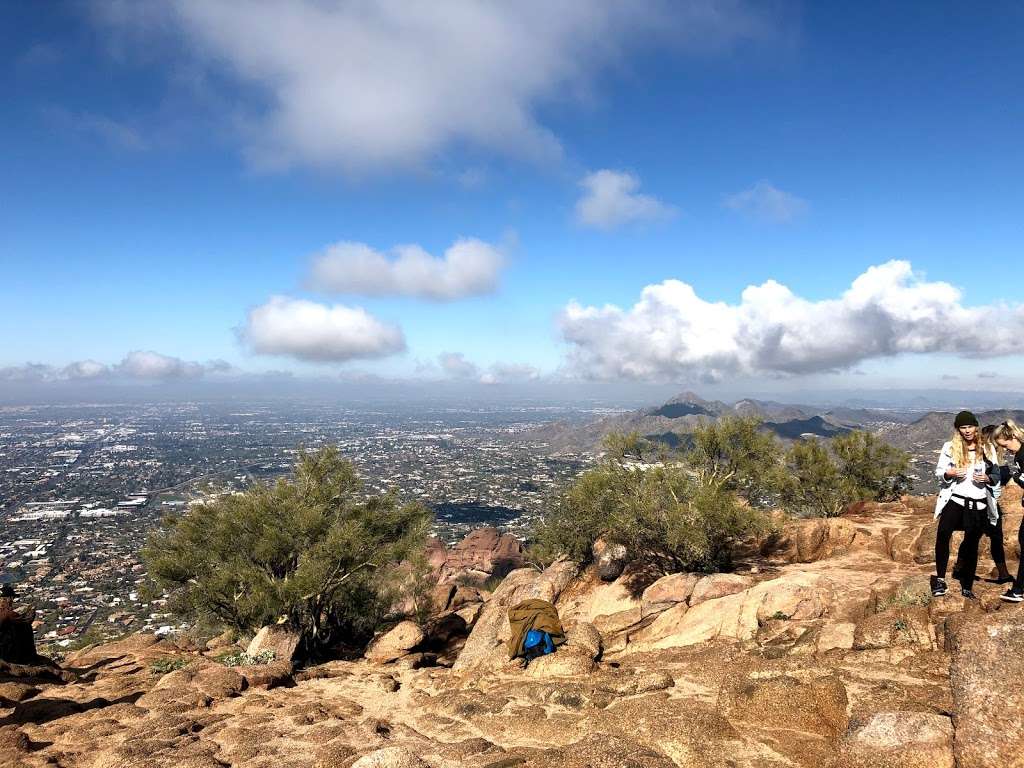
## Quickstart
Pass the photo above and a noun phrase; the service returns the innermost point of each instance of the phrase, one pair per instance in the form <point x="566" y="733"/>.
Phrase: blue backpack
<point x="537" y="643"/>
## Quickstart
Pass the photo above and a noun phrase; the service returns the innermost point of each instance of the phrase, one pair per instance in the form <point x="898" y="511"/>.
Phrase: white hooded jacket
<point x="946" y="485"/>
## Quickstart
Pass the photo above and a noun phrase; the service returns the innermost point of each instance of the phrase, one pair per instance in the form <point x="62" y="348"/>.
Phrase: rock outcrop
<point x="482" y="554"/>
<point x="830" y="652"/>
<point x="987" y="678"/>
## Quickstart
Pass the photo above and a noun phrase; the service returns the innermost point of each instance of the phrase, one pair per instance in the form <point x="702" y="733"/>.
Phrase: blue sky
<point x="169" y="168"/>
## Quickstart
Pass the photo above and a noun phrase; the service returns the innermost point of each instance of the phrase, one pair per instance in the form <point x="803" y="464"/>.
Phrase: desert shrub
<point x="739" y="454"/>
<point x="314" y="551"/>
<point x="871" y="468"/>
<point x="243" y="659"/>
<point x="665" y="514"/>
<point x="813" y="485"/>
<point x="821" y="480"/>
<point x="163" y="666"/>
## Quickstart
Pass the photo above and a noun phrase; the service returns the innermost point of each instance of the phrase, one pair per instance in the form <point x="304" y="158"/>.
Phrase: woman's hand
<point x="958" y="472"/>
<point x="980" y="477"/>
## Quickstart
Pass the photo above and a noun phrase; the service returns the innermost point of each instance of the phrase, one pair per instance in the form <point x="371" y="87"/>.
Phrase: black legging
<point x="952" y="519"/>
<point x="995" y="536"/>
<point x="1018" y="583"/>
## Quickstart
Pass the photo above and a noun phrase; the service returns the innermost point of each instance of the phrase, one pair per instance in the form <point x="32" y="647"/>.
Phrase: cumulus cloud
<point x="672" y="333"/>
<point x="358" y="85"/>
<point x="610" y="199"/>
<point x="455" y="365"/>
<point x="469" y="267"/>
<point x="767" y="202"/>
<point x="137" y="365"/>
<point x="503" y="373"/>
<point x="152" y="365"/>
<point x="305" y="330"/>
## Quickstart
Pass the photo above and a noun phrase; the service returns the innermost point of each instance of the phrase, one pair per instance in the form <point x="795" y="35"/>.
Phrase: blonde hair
<point x="960" y="451"/>
<point x="988" y="443"/>
<point x="1008" y="430"/>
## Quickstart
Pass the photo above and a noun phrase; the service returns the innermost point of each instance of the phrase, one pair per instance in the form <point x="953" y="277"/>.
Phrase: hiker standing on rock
<point x="1010" y="437"/>
<point x="994" y="531"/>
<point x="964" y="501"/>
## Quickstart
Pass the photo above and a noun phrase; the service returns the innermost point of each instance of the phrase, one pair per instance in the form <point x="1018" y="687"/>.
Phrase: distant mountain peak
<point x="687" y="397"/>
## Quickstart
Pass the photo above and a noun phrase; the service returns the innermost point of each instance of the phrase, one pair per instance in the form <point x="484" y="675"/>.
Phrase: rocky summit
<point x="823" y="648"/>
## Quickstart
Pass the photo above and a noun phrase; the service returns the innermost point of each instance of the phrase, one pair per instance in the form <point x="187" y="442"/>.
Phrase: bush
<point x="872" y="469"/>
<point x="740" y="455"/>
<point x="859" y="467"/>
<point x="665" y="515"/>
<point x="163" y="666"/>
<point x="813" y="486"/>
<point x="243" y="659"/>
<point x="314" y="551"/>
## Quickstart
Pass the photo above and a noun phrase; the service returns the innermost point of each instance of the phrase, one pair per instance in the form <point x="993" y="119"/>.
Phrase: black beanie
<point x="965" y="419"/>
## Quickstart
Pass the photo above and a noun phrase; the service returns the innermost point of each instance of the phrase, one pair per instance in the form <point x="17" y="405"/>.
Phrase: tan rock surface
<point x="776" y="682"/>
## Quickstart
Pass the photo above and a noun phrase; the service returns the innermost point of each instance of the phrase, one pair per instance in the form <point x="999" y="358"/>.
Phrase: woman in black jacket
<point x="1010" y="437"/>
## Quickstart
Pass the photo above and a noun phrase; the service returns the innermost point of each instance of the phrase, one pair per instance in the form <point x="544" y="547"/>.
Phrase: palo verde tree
<point x="665" y="513"/>
<point x="741" y="455"/>
<point x="314" y="552"/>
<point x="822" y="479"/>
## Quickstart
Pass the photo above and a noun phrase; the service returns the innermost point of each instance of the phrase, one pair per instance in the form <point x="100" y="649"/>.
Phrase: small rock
<point x="718" y="585"/>
<point x="278" y="639"/>
<point x="906" y="739"/>
<point x="395" y="643"/>
<point x="667" y="591"/>
<point x="610" y="560"/>
<point x="646" y="682"/>
<point x="836" y="636"/>
<point x="609" y="624"/>
<point x="565" y="662"/>
<point x="585" y="637"/>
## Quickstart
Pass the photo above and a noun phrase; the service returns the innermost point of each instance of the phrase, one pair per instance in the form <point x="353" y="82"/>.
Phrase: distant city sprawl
<point x="82" y="486"/>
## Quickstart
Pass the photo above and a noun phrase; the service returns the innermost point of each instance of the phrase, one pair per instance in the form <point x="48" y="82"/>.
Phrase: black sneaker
<point x="938" y="586"/>
<point x="1012" y="597"/>
<point x="968" y="594"/>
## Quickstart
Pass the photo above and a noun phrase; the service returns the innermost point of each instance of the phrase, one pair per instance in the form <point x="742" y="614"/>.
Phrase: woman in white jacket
<point x="964" y="501"/>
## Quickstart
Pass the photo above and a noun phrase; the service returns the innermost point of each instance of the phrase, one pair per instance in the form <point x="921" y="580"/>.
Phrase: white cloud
<point x="611" y="199"/>
<point x="469" y="267"/>
<point x="137" y="365"/>
<point x="503" y="373"/>
<point x="456" y="365"/>
<point x="889" y="310"/>
<point x="86" y="369"/>
<point x="365" y="85"/>
<point x="767" y="202"/>
<point x="152" y="365"/>
<point x="315" y="332"/>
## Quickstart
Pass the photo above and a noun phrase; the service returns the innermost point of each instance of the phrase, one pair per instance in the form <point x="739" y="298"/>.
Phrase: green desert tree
<point x="813" y="486"/>
<point x="315" y="553"/>
<point x="664" y="513"/>
<point x="872" y="468"/>
<point x="738" y="453"/>
<point x="822" y="479"/>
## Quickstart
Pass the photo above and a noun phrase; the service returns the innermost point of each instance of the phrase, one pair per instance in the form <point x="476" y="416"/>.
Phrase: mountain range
<point x="671" y="423"/>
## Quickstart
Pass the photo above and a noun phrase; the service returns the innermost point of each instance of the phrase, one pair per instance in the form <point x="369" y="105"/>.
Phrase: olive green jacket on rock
<point x="532" y="614"/>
